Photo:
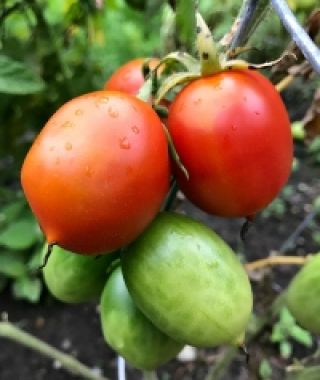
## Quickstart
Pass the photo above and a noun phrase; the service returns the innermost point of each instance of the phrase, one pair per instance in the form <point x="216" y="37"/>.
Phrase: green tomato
<point x="303" y="298"/>
<point x="188" y="282"/>
<point x="74" y="278"/>
<point x="129" y="332"/>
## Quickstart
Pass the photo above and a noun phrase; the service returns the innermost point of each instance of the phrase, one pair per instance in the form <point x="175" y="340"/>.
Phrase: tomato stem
<point x="10" y="331"/>
<point x="47" y="255"/>
<point x="150" y="375"/>
<point x="207" y="48"/>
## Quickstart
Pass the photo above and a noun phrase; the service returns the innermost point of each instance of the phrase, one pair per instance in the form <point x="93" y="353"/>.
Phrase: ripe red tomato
<point x="129" y="78"/>
<point x="232" y="133"/>
<point x="98" y="172"/>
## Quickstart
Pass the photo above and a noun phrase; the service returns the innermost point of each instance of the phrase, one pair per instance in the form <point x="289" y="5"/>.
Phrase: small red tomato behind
<point x="96" y="175"/>
<point x="232" y="133"/>
<point x="129" y="77"/>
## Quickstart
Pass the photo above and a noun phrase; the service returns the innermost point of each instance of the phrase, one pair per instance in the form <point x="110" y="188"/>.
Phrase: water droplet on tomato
<point x="124" y="143"/>
<point x="67" y="124"/>
<point x="135" y="129"/>
<point x="104" y="99"/>
<point x="233" y="127"/>
<point x="79" y="112"/>
<point x="89" y="171"/>
<point x="257" y="113"/>
<point x="57" y="161"/>
<point x="51" y="148"/>
<point x="68" y="146"/>
<point x="113" y="113"/>
<point x="197" y="101"/>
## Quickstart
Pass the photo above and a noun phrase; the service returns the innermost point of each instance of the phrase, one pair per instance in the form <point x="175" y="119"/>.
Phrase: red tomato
<point x="233" y="135"/>
<point x="98" y="172"/>
<point x="129" y="78"/>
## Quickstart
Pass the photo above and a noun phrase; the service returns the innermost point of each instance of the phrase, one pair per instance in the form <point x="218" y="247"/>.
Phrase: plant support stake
<point x="298" y="34"/>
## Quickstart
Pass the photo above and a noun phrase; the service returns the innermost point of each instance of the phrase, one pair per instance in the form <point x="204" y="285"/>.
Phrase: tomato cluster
<point x="97" y="175"/>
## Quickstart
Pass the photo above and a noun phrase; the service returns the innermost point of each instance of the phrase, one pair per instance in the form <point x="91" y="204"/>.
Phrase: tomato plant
<point x="188" y="282"/>
<point x="128" y="331"/>
<point x="303" y="295"/>
<point x="129" y="77"/>
<point x="73" y="278"/>
<point x="232" y="133"/>
<point x="97" y="173"/>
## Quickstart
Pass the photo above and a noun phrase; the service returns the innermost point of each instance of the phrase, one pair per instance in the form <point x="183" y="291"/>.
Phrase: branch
<point x="276" y="260"/>
<point x="250" y="15"/>
<point x="298" y="34"/>
<point x="9" y="331"/>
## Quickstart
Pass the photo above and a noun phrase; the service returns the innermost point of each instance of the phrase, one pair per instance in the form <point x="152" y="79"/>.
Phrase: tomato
<point x="303" y="295"/>
<point x="96" y="175"/>
<point x="232" y="133"/>
<point x="188" y="282"/>
<point x="129" y="332"/>
<point x="129" y="77"/>
<point x="73" y="278"/>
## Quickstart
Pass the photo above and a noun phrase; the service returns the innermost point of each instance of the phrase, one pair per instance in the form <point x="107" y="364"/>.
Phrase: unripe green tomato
<point x="129" y="332"/>
<point x="303" y="295"/>
<point x="188" y="282"/>
<point x="74" y="278"/>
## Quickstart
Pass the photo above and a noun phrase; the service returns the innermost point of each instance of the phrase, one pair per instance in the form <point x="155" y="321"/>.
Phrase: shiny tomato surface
<point x="97" y="174"/>
<point x="232" y="133"/>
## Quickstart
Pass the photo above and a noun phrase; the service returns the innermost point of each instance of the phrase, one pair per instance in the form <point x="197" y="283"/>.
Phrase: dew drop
<point x="135" y="129"/>
<point x="57" y="161"/>
<point x="197" y="101"/>
<point x="257" y="113"/>
<point x="233" y="127"/>
<point x="104" y="99"/>
<point x="68" y="146"/>
<point x="89" y="171"/>
<point x="113" y="113"/>
<point x="67" y="124"/>
<point x="51" y="148"/>
<point x="78" y="112"/>
<point x="124" y="143"/>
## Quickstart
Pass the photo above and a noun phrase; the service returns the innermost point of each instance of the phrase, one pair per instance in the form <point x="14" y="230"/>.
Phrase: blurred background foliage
<point x="53" y="50"/>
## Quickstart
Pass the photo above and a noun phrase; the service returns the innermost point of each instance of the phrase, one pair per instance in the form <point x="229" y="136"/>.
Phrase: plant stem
<point x="298" y="34"/>
<point x="285" y="82"/>
<point x="10" y="331"/>
<point x="276" y="260"/>
<point x="251" y="14"/>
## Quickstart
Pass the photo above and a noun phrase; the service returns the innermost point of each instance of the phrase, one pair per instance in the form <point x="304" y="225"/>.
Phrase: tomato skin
<point x="128" y="78"/>
<point x="188" y="282"/>
<point x="129" y="332"/>
<point x="73" y="278"/>
<point x="97" y="173"/>
<point x="232" y="133"/>
<point x="303" y="295"/>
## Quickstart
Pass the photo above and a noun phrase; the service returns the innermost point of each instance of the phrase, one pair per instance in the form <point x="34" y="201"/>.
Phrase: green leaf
<point x="285" y="349"/>
<point x="20" y="235"/>
<point x="18" y="78"/>
<point x="286" y="318"/>
<point x="10" y="211"/>
<point x="27" y="288"/>
<point x="186" y="23"/>
<point x="12" y="264"/>
<point x="36" y="259"/>
<point x="265" y="370"/>
<point x="277" y="333"/>
<point x="301" y="335"/>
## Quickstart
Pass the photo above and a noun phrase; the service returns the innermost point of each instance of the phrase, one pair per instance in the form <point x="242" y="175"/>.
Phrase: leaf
<point x="35" y="259"/>
<point x="20" y="235"/>
<point x="18" y="78"/>
<point x="301" y="335"/>
<point x="285" y="349"/>
<point x="277" y="333"/>
<point x="265" y="370"/>
<point x="27" y="288"/>
<point x="12" y="264"/>
<point x="286" y="319"/>
<point x="10" y="211"/>
<point x="186" y="22"/>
